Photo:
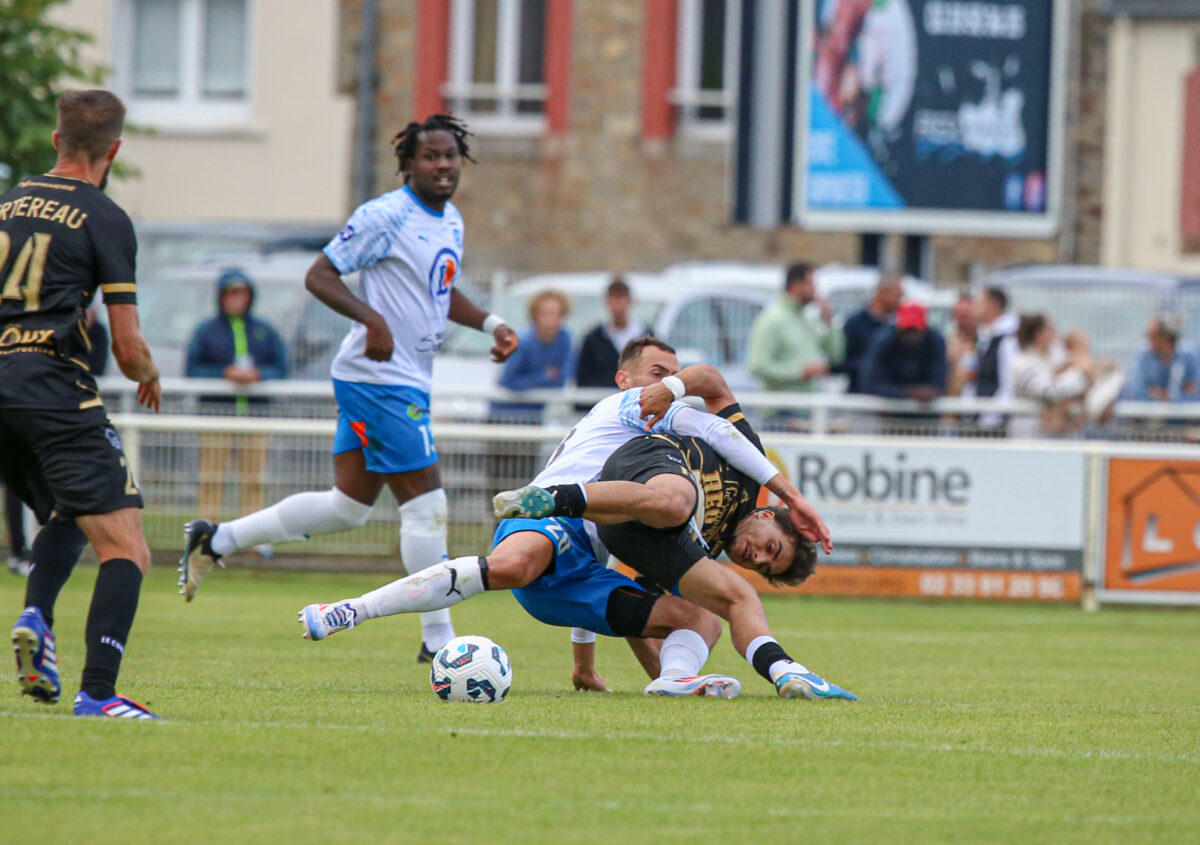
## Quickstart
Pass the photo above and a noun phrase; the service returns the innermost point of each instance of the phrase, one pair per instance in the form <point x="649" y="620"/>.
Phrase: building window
<point x="706" y="68"/>
<point x="184" y="63"/>
<point x="496" y="76"/>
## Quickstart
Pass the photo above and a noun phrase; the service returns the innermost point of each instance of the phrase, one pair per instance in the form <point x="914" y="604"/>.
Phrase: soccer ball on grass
<point x="471" y="669"/>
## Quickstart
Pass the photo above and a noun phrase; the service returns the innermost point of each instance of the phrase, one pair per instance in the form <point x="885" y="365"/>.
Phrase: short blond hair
<point x="545" y="296"/>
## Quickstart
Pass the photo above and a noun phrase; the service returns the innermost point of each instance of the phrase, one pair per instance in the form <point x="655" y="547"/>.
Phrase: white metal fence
<point x="817" y="413"/>
<point x="479" y="458"/>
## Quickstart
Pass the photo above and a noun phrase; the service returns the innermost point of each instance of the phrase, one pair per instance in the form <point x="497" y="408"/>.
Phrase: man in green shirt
<point x="790" y="350"/>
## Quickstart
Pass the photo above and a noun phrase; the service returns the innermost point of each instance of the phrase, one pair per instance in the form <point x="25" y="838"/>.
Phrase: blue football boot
<point x="117" y="707"/>
<point x="811" y="686"/>
<point x="37" y="660"/>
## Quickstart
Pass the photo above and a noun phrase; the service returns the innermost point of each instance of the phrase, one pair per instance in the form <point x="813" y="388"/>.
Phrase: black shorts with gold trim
<point x="65" y="461"/>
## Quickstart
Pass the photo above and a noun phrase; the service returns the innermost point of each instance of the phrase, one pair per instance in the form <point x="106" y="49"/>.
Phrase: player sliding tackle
<point x="529" y="554"/>
<point x="651" y="490"/>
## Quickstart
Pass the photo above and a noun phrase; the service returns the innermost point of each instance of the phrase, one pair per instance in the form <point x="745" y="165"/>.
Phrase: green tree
<point x="38" y="61"/>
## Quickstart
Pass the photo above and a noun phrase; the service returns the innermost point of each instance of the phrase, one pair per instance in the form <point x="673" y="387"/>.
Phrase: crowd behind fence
<point x="480" y="458"/>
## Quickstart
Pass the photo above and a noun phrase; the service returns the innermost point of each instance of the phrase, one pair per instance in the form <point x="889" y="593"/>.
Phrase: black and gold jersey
<point x="727" y="496"/>
<point x="61" y="239"/>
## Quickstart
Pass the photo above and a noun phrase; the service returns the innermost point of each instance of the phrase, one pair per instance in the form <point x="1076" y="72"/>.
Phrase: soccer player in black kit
<point x="667" y="506"/>
<point x="61" y="238"/>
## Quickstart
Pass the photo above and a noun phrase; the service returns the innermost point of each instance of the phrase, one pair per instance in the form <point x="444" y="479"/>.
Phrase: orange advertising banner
<point x="1153" y="537"/>
<point x="927" y="583"/>
<point x="932" y="583"/>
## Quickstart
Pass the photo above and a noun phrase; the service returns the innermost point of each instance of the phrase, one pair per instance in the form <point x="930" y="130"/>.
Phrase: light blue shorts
<point x="390" y="423"/>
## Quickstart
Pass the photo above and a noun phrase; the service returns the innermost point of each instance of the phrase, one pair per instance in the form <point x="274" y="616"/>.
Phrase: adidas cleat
<point x="198" y="556"/>
<point x="713" y="686"/>
<point x="117" y="707"/>
<point x="529" y="502"/>
<point x="321" y="620"/>
<point x="810" y="686"/>
<point x="37" y="660"/>
<point x="425" y="655"/>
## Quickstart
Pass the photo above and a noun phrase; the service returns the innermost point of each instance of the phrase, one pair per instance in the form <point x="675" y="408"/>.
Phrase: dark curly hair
<point x="405" y="142"/>
<point x="804" y="556"/>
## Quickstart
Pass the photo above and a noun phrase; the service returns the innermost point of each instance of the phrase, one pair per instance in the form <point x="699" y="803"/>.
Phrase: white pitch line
<point x="802" y="742"/>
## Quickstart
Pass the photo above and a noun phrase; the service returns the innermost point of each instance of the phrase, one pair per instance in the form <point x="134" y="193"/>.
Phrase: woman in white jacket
<point x="1044" y="372"/>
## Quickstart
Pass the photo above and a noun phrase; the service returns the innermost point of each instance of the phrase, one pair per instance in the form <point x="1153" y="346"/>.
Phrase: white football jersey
<point x="611" y="423"/>
<point x="615" y="420"/>
<point x="409" y="257"/>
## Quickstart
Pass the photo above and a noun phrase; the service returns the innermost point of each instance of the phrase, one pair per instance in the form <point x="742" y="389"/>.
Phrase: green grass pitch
<point x="977" y="722"/>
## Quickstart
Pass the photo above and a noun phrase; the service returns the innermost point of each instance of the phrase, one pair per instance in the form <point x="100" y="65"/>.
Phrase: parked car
<point x="704" y="321"/>
<point x="165" y="244"/>
<point x="704" y="309"/>
<point x="174" y="298"/>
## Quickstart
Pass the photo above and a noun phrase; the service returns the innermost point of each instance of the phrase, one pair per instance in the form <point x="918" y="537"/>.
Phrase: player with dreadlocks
<point x="407" y="246"/>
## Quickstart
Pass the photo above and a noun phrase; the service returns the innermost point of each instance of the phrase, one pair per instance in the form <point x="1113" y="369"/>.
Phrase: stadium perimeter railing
<point x="479" y="458"/>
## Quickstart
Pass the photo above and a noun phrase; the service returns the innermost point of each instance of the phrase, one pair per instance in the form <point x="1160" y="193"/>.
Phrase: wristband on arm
<point x="675" y="385"/>
<point x="492" y="322"/>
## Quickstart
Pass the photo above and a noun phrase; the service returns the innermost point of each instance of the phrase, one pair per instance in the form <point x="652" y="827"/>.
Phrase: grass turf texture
<point x="976" y="722"/>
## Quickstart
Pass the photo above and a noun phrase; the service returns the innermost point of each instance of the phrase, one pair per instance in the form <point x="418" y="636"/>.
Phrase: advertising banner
<point x="931" y="116"/>
<point x="953" y="521"/>
<point x="1152" y="543"/>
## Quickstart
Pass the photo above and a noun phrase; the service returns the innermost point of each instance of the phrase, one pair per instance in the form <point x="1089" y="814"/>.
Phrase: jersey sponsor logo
<point x="442" y="273"/>
<point x="431" y="343"/>
<point x="347" y="233"/>
<point x="16" y="336"/>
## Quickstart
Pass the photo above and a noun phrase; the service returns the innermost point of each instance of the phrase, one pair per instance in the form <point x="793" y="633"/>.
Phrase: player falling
<point x="553" y="567"/>
<point x="408" y="246"/>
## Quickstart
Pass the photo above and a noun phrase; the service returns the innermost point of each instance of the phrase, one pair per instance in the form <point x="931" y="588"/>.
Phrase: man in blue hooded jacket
<point x="239" y="347"/>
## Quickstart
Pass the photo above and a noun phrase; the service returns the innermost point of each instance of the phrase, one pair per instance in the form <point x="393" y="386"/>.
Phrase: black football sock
<point x="569" y="499"/>
<point x="114" y="603"/>
<point x="766" y="656"/>
<point x="56" y="550"/>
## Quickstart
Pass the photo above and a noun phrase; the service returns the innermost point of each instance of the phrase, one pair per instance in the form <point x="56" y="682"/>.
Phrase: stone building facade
<point x="605" y="187"/>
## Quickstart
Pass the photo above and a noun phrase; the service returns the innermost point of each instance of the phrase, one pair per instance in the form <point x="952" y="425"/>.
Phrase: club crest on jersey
<point x="442" y="273"/>
<point x="114" y="439"/>
<point x="347" y="233"/>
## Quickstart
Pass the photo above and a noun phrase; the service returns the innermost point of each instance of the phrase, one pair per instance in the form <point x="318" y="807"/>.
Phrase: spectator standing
<point x="242" y="349"/>
<point x="1045" y="372"/>
<point x="1166" y="371"/>
<point x="997" y="344"/>
<point x="789" y="349"/>
<point x="861" y="327"/>
<point x="542" y="360"/>
<point x="601" y="347"/>
<point x="907" y="360"/>
<point x="962" y="354"/>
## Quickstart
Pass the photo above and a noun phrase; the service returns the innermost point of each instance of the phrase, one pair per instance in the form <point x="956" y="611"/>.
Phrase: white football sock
<point x="682" y="654"/>
<point x="780" y="666"/>
<point x="439" y="586"/>
<point x="423" y="544"/>
<point x="294" y="518"/>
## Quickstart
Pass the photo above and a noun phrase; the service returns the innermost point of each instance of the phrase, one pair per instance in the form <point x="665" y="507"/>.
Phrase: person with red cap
<point x="906" y="360"/>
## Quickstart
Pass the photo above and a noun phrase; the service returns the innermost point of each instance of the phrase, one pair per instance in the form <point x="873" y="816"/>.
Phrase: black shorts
<point x="65" y="461"/>
<point x="662" y="555"/>
<point x="644" y="457"/>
